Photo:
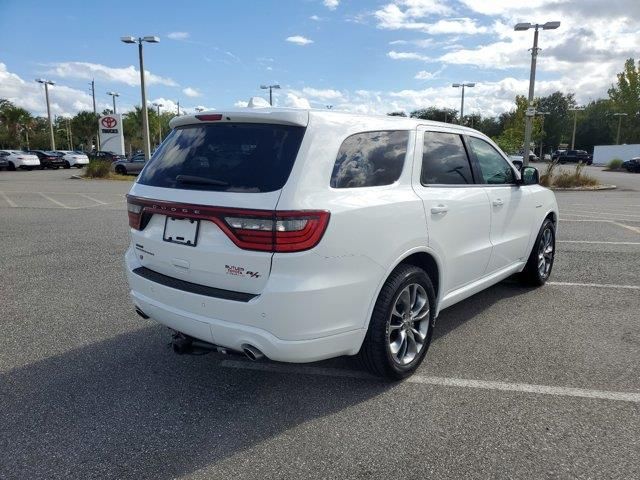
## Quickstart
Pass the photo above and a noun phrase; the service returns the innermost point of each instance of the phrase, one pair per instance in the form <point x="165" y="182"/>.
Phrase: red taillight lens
<point x="209" y="117"/>
<point x="262" y="230"/>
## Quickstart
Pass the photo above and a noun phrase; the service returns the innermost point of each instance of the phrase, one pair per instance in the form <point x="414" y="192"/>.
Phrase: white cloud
<point x="178" y="35"/>
<point x="299" y="40"/>
<point x="292" y="100"/>
<point x="408" y="56"/>
<point x="127" y="75"/>
<point x="241" y="104"/>
<point x="424" y="75"/>
<point x="315" y="18"/>
<point x="324" y="94"/>
<point x="331" y="4"/>
<point x="64" y="101"/>
<point x="408" y="14"/>
<point x="191" y="92"/>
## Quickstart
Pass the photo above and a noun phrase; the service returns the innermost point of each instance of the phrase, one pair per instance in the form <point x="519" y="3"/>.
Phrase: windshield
<point x="232" y="157"/>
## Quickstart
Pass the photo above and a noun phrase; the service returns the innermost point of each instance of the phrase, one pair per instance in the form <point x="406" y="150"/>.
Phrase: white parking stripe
<point x="52" y="200"/>
<point x="596" y="285"/>
<point x="8" y="200"/>
<point x="598" y="242"/>
<point x="92" y="199"/>
<point x="581" y="212"/>
<point x="441" y="381"/>
<point x="628" y="227"/>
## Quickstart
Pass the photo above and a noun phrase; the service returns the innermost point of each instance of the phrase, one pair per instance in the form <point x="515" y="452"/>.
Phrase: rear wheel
<point x="401" y="325"/>
<point x="11" y="167"/>
<point x="120" y="170"/>
<point x="66" y="164"/>
<point x="540" y="263"/>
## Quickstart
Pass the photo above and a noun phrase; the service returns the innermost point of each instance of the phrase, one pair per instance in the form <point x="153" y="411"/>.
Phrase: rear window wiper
<point x="194" y="180"/>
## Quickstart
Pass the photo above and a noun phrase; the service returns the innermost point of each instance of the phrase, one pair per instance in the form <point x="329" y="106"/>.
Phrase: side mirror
<point x="529" y="176"/>
<point x="518" y="164"/>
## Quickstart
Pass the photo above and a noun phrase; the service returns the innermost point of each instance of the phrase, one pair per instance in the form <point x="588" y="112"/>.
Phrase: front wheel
<point x="67" y="165"/>
<point x="401" y="325"/>
<point x="540" y="263"/>
<point x="11" y="167"/>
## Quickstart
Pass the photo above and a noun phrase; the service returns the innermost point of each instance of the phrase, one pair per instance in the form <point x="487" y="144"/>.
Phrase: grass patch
<point x="102" y="170"/>
<point x="567" y="179"/>
<point x="614" y="164"/>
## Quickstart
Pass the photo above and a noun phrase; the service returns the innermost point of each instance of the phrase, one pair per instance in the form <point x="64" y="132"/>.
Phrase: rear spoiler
<point x="293" y="117"/>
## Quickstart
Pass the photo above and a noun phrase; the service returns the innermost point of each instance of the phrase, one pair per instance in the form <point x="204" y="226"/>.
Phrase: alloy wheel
<point x="408" y="324"/>
<point x="545" y="253"/>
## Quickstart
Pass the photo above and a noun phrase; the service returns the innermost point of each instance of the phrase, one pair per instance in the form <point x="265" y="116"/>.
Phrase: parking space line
<point x="8" y="200"/>
<point x="596" y="285"/>
<point x="47" y="197"/>
<point x="441" y="381"/>
<point x="628" y="227"/>
<point x="587" y="213"/>
<point x="595" y="242"/>
<point x="92" y="199"/>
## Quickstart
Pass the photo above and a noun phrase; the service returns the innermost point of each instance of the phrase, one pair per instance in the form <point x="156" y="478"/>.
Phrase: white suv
<point x="301" y="235"/>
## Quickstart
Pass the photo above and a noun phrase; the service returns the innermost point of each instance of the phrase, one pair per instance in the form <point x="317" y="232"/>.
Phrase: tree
<point x="13" y="119"/>
<point x="595" y="125"/>
<point x="397" y="114"/>
<point x="85" y="128"/>
<point x="558" y="124"/>
<point x="512" y="137"/>
<point x="625" y="98"/>
<point x="448" y="115"/>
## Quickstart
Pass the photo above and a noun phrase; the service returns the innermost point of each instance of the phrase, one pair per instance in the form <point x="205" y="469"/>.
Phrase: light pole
<point x="46" y="84"/>
<point x="270" y="88"/>
<point x="199" y="109"/>
<point x="463" y="85"/>
<point x="619" y="115"/>
<point x="158" y="105"/>
<point x="113" y="96"/>
<point x="575" y="123"/>
<point x="521" y="27"/>
<point x="542" y="114"/>
<point x="145" y="114"/>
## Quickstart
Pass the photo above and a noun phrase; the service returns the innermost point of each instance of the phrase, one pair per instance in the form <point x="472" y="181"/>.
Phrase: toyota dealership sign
<point x="111" y="135"/>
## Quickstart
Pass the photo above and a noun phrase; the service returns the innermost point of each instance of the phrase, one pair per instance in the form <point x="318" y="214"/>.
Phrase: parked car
<point x="4" y="163"/>
<point x="300" y="235"/>
<point x="73" y="158"/>
<point x="133" y="165"/>
<point x="632" y="165"/>
<point x="574" y="156"/>
<point x="556" y="154"/>
<point x="17" y="159"/>
<point x="106" y="156"/>
<point x="49" y="159"/>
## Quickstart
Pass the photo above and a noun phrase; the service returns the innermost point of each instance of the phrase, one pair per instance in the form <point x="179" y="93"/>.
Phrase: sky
<point x="355" y="55"/>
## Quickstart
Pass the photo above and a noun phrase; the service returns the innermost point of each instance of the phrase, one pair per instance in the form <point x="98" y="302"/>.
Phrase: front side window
<point x="495" y="169"/>
<point x="370" y="159"/>
<point x="444" y="160"/>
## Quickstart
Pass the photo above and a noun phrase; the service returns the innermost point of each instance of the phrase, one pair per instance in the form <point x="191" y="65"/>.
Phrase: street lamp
<point x="270" y="87"/>
<point x="463" y="85"/>
<point x="542" y="114"/>
<point x="199" y="109"/>
<point x="113" y="96"/>
<point x="158" y="105"/>
<point x="619" y="115"/>
<point x="575" y="122"/>
<point x="46" y="84"/>
<point x="145" y="115"/>
<point x="521" y="27"/>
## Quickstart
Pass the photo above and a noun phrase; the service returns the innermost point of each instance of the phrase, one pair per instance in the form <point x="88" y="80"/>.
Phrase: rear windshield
<point x="232" y="157"/>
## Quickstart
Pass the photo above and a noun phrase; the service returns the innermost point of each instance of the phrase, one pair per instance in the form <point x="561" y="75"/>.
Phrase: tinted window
<point x="370" y="159"/>
<point x="444" y="160"/>
<point x="232" y="157"/>
<point x="495" y="169"/>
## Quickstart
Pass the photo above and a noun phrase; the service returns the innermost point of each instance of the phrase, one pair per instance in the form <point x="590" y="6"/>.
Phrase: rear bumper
<point x="300" y="325"/>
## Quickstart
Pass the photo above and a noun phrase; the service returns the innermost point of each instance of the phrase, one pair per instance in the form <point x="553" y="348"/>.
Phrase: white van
<point x="300" y="235"/>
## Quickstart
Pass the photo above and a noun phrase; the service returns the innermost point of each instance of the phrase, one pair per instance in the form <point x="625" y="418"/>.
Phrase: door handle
<point x="439" y="209"/>
<point x="498" y="202"/>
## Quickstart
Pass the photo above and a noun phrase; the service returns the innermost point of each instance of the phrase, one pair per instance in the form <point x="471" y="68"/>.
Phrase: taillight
<point x="209" y="117"/>
<point x="262" y="230"/>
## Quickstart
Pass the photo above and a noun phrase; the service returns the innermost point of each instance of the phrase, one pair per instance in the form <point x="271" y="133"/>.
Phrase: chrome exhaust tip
<point x="252" y="353"/>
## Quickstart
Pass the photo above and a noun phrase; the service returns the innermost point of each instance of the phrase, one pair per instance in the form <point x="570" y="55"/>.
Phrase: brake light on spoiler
<point x="261" y="230"/>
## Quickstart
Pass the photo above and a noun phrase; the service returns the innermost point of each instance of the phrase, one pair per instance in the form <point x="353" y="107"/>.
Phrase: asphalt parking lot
<point x="519" y="382"/>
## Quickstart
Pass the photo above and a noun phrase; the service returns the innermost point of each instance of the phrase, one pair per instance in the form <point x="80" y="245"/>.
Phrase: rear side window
<point x="228" y="157"/>
<point x="444" y="160"/>
<point x="370" y="159"/>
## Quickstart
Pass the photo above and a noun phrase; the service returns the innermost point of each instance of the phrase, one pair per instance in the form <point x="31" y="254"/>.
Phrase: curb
<point x="585" y="189"/>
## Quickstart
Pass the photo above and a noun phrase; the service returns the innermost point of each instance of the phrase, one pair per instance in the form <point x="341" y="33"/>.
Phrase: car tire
<point x="120" y="170"/>
<point x="401" y="324"/>
<point x="29" y="168"/>
<point x="66" y="165"/>
<point x="11" y="167"/>
<point x="79" y="166"/>
<point x="540" y="262"/>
